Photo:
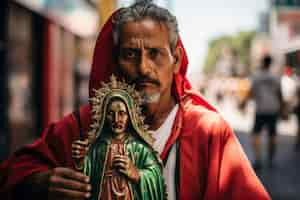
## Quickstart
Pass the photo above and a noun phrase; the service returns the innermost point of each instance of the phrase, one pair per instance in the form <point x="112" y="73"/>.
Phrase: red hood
<point x="103" y="66"/>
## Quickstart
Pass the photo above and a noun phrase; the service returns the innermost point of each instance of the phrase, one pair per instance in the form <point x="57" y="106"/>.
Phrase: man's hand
<point x="124" y="165"/>
<point x="63" y="183"/>
<point x="79" y="150"/>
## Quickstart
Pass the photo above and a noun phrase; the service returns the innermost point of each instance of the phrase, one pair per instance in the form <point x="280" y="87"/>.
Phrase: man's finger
<point x="77" y="156"/>
<point x="76" y="146"/>
<point x="78" y="151"/>
<point x="60" y="182"/>
<point x="71" y="174"/>
<point x="82" y="142"/>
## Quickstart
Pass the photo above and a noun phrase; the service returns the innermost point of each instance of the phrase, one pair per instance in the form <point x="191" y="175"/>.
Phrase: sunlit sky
<point x="202" y="20"/>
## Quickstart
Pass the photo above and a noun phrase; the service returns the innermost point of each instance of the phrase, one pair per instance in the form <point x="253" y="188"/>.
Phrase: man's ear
<point x="178" y="53"/>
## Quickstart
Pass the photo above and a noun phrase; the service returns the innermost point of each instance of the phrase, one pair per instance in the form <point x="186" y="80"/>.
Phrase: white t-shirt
<point x="161" y="136"/>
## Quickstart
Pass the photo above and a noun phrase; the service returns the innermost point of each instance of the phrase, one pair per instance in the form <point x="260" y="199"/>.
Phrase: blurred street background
<point x="46" y="49"/>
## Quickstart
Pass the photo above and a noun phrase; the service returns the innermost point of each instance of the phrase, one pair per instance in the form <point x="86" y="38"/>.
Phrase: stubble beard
<point x="149" y="106"/>
<point x="150" y="98"/>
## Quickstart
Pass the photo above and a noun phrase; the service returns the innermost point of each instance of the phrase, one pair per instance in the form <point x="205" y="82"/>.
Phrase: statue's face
<point x="117" y="117"/>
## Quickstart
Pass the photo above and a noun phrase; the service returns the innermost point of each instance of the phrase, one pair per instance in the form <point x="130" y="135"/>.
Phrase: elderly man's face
<point x="145" y="58"/>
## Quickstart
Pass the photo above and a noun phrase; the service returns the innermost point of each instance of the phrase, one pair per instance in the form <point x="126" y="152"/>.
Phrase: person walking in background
<point x="266" y="93"/>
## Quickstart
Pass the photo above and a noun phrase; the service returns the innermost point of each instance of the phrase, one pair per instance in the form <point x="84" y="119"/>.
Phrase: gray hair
<point x="145" y="9"/>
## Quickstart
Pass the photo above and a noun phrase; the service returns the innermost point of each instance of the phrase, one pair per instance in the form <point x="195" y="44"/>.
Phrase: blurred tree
<point x="239" y="45"/>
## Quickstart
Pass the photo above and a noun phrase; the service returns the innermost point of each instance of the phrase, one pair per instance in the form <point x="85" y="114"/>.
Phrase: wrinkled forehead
<point x="145" y="30"/>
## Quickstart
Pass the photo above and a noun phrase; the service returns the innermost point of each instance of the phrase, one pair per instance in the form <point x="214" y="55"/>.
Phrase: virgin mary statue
<point x="120" y="160"/>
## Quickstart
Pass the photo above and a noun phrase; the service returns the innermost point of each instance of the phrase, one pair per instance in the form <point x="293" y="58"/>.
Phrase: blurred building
<point x="285" y="31"/>
<point x="46" y="49"/>
<point x="264" y="21"/>
<point x="278" y="35"/>
<point x="45" y="54"/>
<point x="4" y="129"/>
<point x="261" y="45"/>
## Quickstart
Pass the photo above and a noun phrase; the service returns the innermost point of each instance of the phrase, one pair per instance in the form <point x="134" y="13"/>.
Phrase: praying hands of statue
<point x="79" y="150"/>
<point x="125" y="166"/>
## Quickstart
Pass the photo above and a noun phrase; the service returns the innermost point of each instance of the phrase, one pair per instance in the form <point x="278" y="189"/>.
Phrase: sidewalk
<point x="282" y="181"/>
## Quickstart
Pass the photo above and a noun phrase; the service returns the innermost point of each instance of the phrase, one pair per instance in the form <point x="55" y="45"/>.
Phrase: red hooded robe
<point x="212" y="164"/>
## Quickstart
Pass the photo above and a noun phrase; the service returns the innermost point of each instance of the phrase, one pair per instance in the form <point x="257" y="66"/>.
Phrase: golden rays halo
<point x="97" y="103"/>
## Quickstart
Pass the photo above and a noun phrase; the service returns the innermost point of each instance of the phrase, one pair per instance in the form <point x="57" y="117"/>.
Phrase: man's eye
<point x="153" y="52"/>
<point x="129" y="54"/>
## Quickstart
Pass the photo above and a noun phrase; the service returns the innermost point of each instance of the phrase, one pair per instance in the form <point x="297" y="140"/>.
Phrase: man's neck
<point x="156" y="113"/>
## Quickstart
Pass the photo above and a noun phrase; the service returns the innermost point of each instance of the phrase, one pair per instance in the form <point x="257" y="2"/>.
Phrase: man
<point x="202" y="156"/>
<point x="266" y="92"/>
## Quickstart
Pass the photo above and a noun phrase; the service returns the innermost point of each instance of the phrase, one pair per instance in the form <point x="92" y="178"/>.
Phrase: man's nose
<point x="144" y="67"/>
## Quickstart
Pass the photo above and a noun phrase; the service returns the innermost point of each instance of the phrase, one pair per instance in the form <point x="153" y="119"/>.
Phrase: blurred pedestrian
<point x="266" y="93"/>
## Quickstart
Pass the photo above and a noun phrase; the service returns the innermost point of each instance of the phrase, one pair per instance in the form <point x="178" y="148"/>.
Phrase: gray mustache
<point x="142" y="80"/>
